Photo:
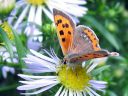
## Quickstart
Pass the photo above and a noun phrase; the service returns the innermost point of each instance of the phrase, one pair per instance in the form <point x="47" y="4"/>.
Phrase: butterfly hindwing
<point x="92" y="55"/>
<point x="65" y="29"/>
<point x="92" y="37"/>
<point x="84" y="41"/>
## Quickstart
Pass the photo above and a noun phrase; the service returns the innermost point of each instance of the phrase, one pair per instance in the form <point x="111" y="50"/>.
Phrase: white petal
<point x="98" y="82"/>
<point x="84" y="93"/>
<point x="93" y="91"/>
<point x="42" y="56"/>
<point x="79" y="93"/>
<point x="69" y="8"/>
<point x="91" y="67"/>
<point x="98" y="85"/>
<point x="42" y="62"/>
<point x="39" y="65"/>
<point x="59" y="91"/>
<point x="32" y="14"/>
<point x="34" y="65"/>
<point x="48" y="13"/>
<point x="12" y="70"/>
<point x="37" y="77"/>
<point x="75" y="1"/>
<point x="20" y="3"/>
<point x="37" y="85"/>
<point x="38" y="17"/>
<point x="29" y="29"/>
<point x="12" y="16"/>
<point x="5" y="69"/>
<point x="66" y="92"/>
<point x="88" y="91"/>
<point x="41" y="90"/>
<point x="40" y="81"/>
<point x="20" y="19"/>
<point x="63" y="92"/>
<point x="36" y="71"/>
<point x="70" y="93"/>
<point x="74" y="93"/>
<point x="53" y="55"/>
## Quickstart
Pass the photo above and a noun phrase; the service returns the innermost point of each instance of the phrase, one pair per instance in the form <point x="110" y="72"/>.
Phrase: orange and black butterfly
<point x="78" y="43"/>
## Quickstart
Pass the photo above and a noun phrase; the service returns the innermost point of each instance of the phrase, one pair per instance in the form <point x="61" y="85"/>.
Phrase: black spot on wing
<point x="61" y="32"/>
<point x="63" y="39"/>
<point x="69" y="32"/>
<point x="66" y="25"/>
<point x="63" y="25"/>
<point x="59" y="21"/>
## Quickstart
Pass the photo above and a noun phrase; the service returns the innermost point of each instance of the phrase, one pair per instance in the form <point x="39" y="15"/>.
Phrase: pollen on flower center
<point x="36" y="2"/>
<point x="75" y="79"/>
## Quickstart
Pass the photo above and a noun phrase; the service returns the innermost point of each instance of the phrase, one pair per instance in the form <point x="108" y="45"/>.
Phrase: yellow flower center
<point x="75" y="79"/>
<point x="6" y="27"/>
<point x="36" y="2"/>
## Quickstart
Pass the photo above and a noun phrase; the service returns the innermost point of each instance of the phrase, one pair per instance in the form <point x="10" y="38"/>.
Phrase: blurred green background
<point x="109" y="20"/>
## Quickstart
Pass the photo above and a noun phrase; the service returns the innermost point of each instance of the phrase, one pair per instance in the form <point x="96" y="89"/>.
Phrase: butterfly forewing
<point x="65" y="29"/>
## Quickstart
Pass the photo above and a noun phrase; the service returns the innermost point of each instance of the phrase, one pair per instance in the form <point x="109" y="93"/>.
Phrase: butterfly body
<point x="78" y="43"/>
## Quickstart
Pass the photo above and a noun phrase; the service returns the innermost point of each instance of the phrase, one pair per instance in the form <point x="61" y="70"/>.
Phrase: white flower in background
<point x="6" y="69"/>
<point x="32" y="43"/>
<point x="5" y="56"/>
<point x="33" y="10"/>
<point x="6" y="6"/>
<point x="74" y="82"/>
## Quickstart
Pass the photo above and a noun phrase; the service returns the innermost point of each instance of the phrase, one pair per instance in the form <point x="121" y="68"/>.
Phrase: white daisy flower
<point x="32" y="10"/>
<point x="74" y="81"/>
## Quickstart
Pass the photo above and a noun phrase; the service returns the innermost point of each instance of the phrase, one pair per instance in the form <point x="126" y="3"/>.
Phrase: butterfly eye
<point x="64" y="61"/>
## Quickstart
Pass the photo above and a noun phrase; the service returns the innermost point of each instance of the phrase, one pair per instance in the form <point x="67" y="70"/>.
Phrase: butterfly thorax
<point x="71" y="60"/>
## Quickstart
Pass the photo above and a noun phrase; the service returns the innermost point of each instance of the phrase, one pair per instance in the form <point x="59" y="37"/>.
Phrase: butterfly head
<point x="64" y="61"/>
<point x="69" y="62"/>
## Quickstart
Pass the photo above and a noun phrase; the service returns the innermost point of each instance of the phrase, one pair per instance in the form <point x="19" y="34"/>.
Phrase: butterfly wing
<point x="65" y="29"/>
<point x="96" y="54"/>
<point x="86" y="46"/>
<point x="84" y="41"/>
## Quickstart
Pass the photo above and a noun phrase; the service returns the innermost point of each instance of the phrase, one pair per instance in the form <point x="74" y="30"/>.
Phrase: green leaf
<point x="7" y="42"/>
<point x="111" y="93"/>
<point x="103" y="31"/>
<point x="126" y="91"/>
<point x="9" y="87"/>
<point x="100" y="69"/>
<point x="20" y="48"/>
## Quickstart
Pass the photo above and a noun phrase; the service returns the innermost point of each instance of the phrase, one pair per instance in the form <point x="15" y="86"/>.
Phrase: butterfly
<point x="78" y="43"/>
